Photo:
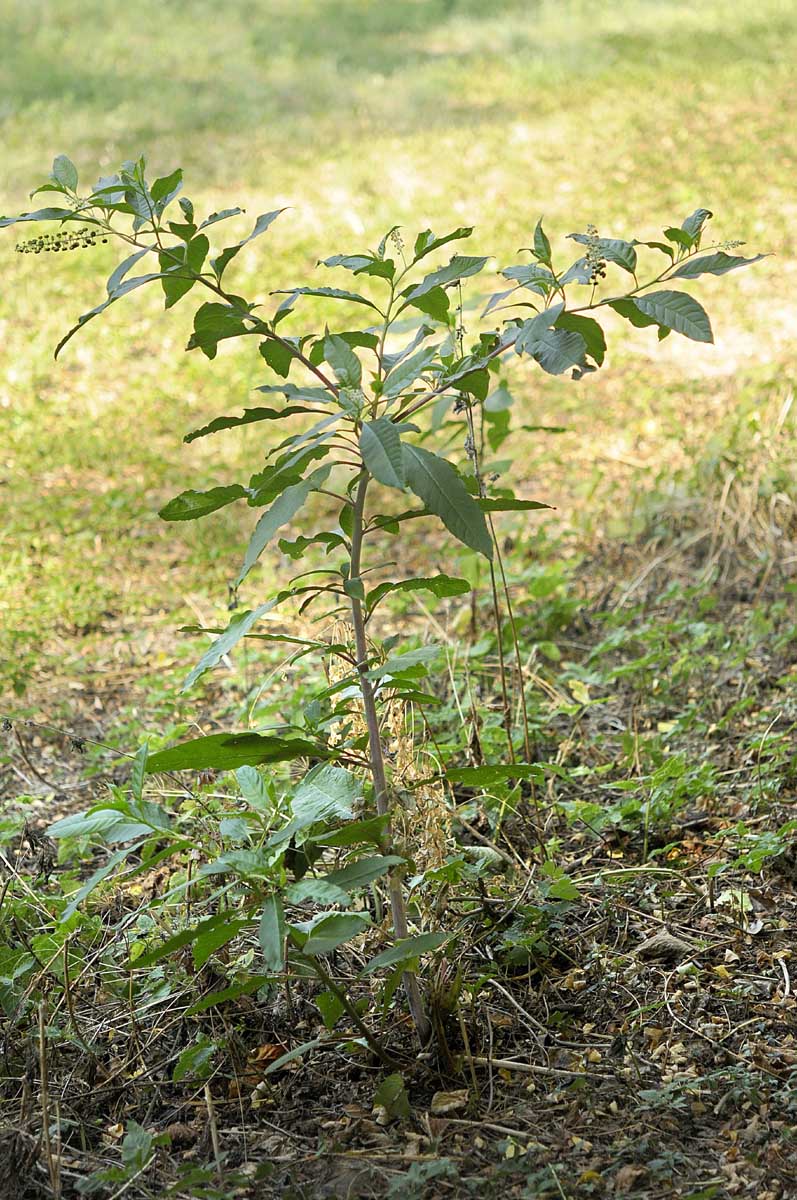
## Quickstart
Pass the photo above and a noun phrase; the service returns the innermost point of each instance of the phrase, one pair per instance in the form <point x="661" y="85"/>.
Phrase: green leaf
<point x="212" y="939"/>
<point x="486" y="776"/>
<point x="178" y="940"/>
<point x="249" y="416"/>
<point x="190" y="506"/>
<point x="380" y="445"/>
<point x="563" y="889"/>
<point x="362" y="264"/>
<point x="343" y="361"/>
<point x="315" y="891"/>
<point x="627" y="308"/>
<point x="717" y="263"/>
<point x="401" y="664"/>
<point x="662" y="246"/>
<point x="195" y="1060"/>
<point x="508" y="504"/>
<point x="391" y="1095"/>
<point x="693" y="225"/>
<point x="215" y="217"/>
<point x="614" y="250"/>
<point x="589" y="330"/>
<point x="41" y="214"/>
<point x="227" y="751"/>
<point x="326" y="793"/>
<point x="253" y="789"/>
<point x="214" y="323"/>
<point x="529" y="275"/>
<point x="406" y="950"/>
<point x="325" y="293"/>
<point x="371" y="830"/>
<point x="682" y="239"/>
<point x="139" y="771"/>
<point x="434" y="303"/>
<point x="426" y="241"/>
<point x="94" y="880"/>
<point x="65" y="172"/>
<point x="281" y="512"/>
<point x="164" y="190"/>
<point x="239" y="626"/>
<point x="460" y="267"/>
<point x="406" y="372"/>
<point x="180" y="266"/>
<point x="678" y="311"/>
<point x="129" y="285"/>
<point x="330" y="1007"/>
<point x="292" y="1055"/>
<point x="215" y="999"/>
<point x="332" y="931"/>
<point x="271" y="934"/>
<point x="542" y="247"/>
<point x="220" y="262"/>
<point x="554" y="349"/>
<point x="438" y="485"/>
<point x="439" y="585"/>
<point x="362" y="871"/>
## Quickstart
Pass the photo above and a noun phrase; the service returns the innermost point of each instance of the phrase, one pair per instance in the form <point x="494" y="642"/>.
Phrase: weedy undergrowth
<point x="369" y="396"/>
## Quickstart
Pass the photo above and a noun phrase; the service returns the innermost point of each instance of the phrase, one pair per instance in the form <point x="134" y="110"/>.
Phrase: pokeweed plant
<point x="369" y="398"/>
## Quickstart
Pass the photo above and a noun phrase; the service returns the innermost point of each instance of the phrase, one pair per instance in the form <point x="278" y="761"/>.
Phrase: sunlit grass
<point x="360" y="115"/>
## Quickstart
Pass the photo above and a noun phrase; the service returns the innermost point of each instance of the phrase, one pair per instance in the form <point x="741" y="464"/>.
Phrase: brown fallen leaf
<point x="664" y="945"/>
<point x="448" y="1102"/>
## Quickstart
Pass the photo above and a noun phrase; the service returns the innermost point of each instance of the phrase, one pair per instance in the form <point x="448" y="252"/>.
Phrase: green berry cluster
<point x="595" y="261"/>
<point x="64" y="239"/>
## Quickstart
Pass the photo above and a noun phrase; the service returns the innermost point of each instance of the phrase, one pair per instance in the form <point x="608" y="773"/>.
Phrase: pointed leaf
<point x="281" y="512"/>
<point x="590" y="331"/>
<point x="380" y="445"/>
<point x="426" y="241"/>
<point x="332" y="931"/>
<point x="542" y="247"/>
<point x="249" y="416"/>
<point x="220" y="262"/>
<point x="406" y="372"/>
<point x="191" y="505"/>
<point x="324" y="794"/>
<point x="406" y="950"/>
<point x="65" y="172"/>
<point x="343" y="361"/>
<point x="228" y="751"/>
<point x="271" y="934"/>
<point x="325" y="293"/>
<point x="693" y="225"/>
<point x="435" y="481"/>
<point x="460" y="267"/>
<point x="678" y="311"/>
<point x="438" y="585"/>
<point x="239" y="626"/>
<point x="717" y="263"/>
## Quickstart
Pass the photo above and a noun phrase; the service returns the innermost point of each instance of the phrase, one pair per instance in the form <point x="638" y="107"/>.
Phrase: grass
<point x="655" y="607"/>
<point x="361" y="115"/>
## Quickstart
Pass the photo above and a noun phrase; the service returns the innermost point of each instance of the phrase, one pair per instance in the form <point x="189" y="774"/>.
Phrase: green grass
<point x="360" y="115"/>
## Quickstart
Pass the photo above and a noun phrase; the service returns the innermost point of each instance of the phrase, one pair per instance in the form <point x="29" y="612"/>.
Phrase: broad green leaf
<point x="530" y="275"/>
<point x="354" y="833"/>
<point x="195" y="1061"/>
<point x="380" y="446"/>
<point x="215" y="217"/>
<point x="614" y="250"/>
<point x="189" y="506"/>
<point x="343" y="361"/>
<point x="315" y="891"/>
<point x="239" y="626"/>
<point x="678" y="311"/>
<point x="362" y="871"/>
<point x="325" y="293"/>
<point x="180" y="266"/>
<point x="662" y="246"/>
<point x="562" y="889"/>
<point x="693" y="225"/>
<point x="281" y="512"/>
<point x="330" y="1007"/>
<point x="717" y="263"/>
<point x="406" y="950"/>
<point x="626" y="307"/>
<point x="65" y="172"/>
<point x="178" y="940"/>
<point x="460" y="267"/>
<point x="438" y="485"/>
<point x="439" y="585"/>
<point x="164" y="190"/>
<point x="220" y="262"/>
<point x="555" y="350"/>
<point x="489" y="774"/>
<point x="212" y="939"/>
<point x="227" y="751"/>
<point x="400" y="664"/>
<point x="434" y="303"/>
<point x="391" y="1095"/>
<point x="118" y="274"/>
<point x="109" y="823"/>
<point x="407" y="371"/>
<point x="213" y="323"/>
<point x="590" y="331"/>
<point x="253" y="789"/>
<point x="249" y="416"/>
<point x="326" y="793"/>
<point x="685" y="240"/>
<point x="41" y="214"/>
<point x="332" y="931"/>
<point x="426" y="241"/>
<point x="579" y="272"/>
<point x="362" y="264"/>
<point x="292" y="1055"/>
<point x="542" y="247"/>
<point x="271" y="933"/>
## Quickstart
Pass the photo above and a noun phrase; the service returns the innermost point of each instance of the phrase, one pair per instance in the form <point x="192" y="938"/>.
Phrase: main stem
<point x="377" y="761"/>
